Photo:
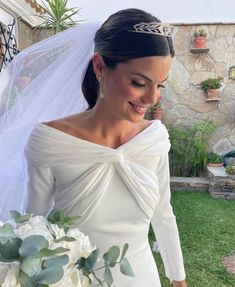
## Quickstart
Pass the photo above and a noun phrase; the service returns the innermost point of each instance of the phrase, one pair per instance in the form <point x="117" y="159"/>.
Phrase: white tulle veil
<point x="42" y="83"/>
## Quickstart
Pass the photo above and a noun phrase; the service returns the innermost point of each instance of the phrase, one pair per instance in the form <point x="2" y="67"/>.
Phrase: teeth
<point x="140" y="108"/>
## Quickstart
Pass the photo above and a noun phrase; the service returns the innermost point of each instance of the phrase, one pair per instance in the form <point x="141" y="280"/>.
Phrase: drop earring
<point x="100" y="89"/>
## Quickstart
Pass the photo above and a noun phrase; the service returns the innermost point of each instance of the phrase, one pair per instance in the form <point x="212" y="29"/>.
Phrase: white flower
<point x="79" y="248"/>
<point x="1" y="223"/>
<point x="35" y="226"/>
<point x="10" y="272"/>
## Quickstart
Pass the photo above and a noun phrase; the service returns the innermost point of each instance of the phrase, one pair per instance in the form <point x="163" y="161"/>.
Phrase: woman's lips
<point x="139" y="109"/>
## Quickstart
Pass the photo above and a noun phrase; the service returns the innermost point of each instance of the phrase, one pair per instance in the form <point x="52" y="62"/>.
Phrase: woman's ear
<point x="98" y="65"/>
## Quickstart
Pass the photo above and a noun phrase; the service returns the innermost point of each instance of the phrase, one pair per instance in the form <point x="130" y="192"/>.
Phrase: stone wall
<point x="28" y="35"/>
<point x="183" y="99"/>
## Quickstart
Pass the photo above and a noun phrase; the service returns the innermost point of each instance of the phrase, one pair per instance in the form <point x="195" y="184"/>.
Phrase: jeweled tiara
<point x="156" y="28"/>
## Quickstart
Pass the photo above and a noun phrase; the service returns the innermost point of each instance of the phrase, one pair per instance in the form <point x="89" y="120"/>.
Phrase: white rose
<point x="35" y="226"/>
<point x="79" y="248"/>
<point x="11" y="278"/>
<point x="3" y="271"/>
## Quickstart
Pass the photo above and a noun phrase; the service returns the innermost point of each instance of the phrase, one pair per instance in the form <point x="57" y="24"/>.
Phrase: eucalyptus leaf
<point x="108" y="276"/>
<point x="125" y="248"/>
<point x="31" y="266"/>
<point x="9" y="251"/>
<point x="110" y="257"/>
<point x="24" y="218"/>
<point x="50" y="252"/>
<point x="56" y="260"/>
<point x="125" y="268"/>
<point x="25" y="280"/>
<point x="6" y="231"/>
<point x="65" y="238"/>
<point x="92" y="259"/>
<point x="15" y="215"/>
<point x="49" y="275"/>
<point x="56" y="216"/>
<point x="32" y="245"/>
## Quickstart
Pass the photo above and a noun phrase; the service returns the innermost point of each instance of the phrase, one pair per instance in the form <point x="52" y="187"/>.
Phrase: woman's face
<point x="130" y="88"/>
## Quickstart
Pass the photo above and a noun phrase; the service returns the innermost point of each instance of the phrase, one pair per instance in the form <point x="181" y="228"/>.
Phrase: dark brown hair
<point x="117" y="44"/>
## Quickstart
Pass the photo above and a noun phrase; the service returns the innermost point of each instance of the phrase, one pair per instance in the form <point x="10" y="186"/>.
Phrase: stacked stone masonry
<point x="221" y="184"/>
<point x="184" y="100"/>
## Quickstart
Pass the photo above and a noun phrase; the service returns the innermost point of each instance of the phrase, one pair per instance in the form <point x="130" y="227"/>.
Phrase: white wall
<point x="174" y="11"/>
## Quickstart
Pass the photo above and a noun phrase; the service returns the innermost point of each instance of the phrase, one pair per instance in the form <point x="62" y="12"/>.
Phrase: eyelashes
<point x="142" y="85"/>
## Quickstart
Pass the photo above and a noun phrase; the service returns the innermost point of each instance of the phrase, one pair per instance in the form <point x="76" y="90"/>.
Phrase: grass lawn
<point x="207" y="232"/>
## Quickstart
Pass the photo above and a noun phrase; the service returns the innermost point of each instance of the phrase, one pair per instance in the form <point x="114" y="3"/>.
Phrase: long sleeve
<point x="165" y="226"/>
<point x="40" y="190"/>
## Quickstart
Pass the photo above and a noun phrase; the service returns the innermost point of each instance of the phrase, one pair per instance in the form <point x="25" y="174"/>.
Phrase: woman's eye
<point x="138" y="84"/>
<point x="160" y="86"/>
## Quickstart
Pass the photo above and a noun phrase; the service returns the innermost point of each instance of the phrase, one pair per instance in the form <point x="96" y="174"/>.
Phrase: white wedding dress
<point x="118" y="192"/>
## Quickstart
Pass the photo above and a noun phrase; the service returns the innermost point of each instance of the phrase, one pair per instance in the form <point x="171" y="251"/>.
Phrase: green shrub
<point x="214" y="157"/>
<point x="211" y="84"/>
<point x="189" y="149"/>
<point x="200" y="33"/>
<point x="230" y="169"/>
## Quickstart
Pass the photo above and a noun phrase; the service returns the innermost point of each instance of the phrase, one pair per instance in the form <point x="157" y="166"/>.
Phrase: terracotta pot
<point x="212" y="94"/>
<point x="215" y="164"/>
<point x="157" y="114"/>
<point x="199" y="42"/>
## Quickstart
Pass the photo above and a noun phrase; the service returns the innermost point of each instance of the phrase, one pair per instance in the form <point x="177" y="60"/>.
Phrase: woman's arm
<point x="165" y="227"/>
<point x="40" y="189"/>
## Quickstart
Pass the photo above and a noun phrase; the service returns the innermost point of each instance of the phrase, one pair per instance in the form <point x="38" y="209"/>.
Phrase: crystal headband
<point x="155" y="28"/>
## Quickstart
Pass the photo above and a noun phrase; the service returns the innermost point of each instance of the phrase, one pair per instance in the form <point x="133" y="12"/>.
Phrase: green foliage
<point x="214" y="157"/>
<point x="230" y="169"/>
<point x="111" y="259"/>
<point x="58" y="217"/>
<point x="200" y="33"/>
<point x="207" y="232"/>
<point x="189" y="148"/>
<point x="212" y="84"/>
<point x="40" y="265"/>
<point x="58" y="16"/>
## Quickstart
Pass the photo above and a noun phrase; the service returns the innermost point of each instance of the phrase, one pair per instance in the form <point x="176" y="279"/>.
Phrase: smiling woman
<point x="107" y="163"/>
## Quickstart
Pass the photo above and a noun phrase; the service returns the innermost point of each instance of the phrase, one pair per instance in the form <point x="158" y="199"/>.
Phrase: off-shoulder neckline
<point x="77" y="139"/>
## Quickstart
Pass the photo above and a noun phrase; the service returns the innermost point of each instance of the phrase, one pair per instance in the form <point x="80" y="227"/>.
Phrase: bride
<point x="103" y="162"/>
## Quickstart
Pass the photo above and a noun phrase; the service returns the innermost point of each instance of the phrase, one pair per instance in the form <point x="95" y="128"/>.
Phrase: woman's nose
<point x="154" y="95"/>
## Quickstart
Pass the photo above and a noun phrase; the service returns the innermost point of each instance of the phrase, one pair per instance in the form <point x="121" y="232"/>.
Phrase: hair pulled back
<point x="117" y="44"/>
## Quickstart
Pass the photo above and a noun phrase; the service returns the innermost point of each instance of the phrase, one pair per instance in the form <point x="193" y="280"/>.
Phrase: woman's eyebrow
<point x="147" y="78"/>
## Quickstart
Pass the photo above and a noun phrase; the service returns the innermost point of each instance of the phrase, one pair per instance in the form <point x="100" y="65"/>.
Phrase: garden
<point x="207" y="232"/>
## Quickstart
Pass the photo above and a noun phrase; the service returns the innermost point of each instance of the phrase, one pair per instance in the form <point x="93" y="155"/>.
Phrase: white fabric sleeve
<point x="165" y="226"/>
<point x="40" y="190"/>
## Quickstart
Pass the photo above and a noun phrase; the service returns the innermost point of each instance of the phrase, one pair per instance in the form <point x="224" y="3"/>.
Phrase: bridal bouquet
<point x="40" y="252"/>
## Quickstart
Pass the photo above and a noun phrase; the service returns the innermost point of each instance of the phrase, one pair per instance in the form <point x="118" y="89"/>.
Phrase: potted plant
<point x="214" y="159"/>
<point x="157" y="111"/>
<point x="199" y="39"/>
<point x="230" y="169"/>
<point x="211" y="86"/>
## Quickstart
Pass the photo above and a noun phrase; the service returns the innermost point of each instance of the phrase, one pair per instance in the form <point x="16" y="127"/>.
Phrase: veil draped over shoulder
<point x="42" y="83"/>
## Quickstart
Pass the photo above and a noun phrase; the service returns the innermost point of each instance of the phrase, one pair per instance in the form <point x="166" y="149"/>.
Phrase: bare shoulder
<point x="68" y="124"/>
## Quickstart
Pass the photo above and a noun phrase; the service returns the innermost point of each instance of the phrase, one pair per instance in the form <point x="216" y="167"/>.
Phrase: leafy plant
<point x="230" y="169"/>
<point x="111" y="258"/>
<point x="58" y="16"/>
<point x="214" y="157"/>
<point x="212" y="83"/>
<point x="36" y="252"/>
<point x="189" y="148"/>
<point x="200" y="33"/>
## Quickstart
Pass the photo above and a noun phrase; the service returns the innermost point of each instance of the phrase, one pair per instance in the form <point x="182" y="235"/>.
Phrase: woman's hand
<point x="179" y="283"/>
